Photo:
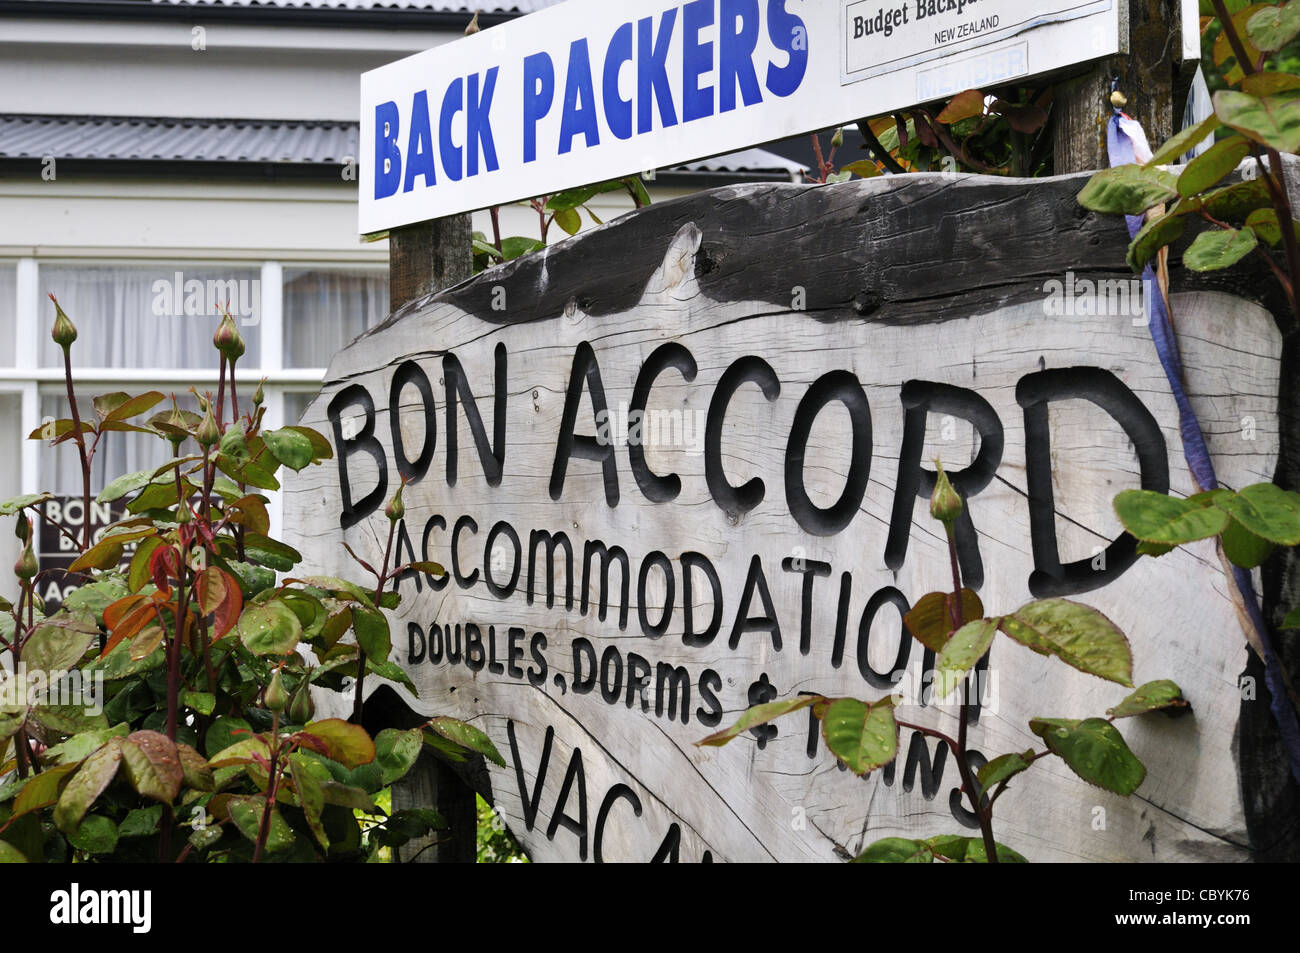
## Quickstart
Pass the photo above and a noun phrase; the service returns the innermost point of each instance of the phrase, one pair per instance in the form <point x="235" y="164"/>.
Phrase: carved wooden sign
<point x="680" y="465"/>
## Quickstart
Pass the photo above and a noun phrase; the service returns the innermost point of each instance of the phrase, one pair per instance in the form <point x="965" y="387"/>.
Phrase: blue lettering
<point x="478" y="123"/>
<point x="652" y="73"/>
<point x="388" y="158"/>
<point x="419" y="147"/>
<point x="788" y="34"/>
<point x="539" y="91"/>
<point x="697" y="58"/>
<point x="618" y="111"/>
<point x="453" y="101"/>
<point x="579" y="114"/>
<point x="736" y="54"/>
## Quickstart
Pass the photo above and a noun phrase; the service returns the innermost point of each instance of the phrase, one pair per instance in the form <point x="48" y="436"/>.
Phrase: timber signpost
<point x="588" y="91"/>
<point x="680" y="465"/>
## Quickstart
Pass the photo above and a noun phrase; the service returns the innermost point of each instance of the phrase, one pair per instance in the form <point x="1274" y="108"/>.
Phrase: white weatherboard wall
<point x="588" y="91"/>
<point x="609" y="773"/>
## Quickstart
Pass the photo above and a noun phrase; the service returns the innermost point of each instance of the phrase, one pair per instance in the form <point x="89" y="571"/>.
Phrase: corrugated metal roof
<point x="246" y="140"/>
<point x="746" y="160"/>
<point x="177" y="140"/>
<point x="438" y="6"/>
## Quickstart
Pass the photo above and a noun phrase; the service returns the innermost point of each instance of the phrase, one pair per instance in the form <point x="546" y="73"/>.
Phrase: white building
<point x="147" y="144"/>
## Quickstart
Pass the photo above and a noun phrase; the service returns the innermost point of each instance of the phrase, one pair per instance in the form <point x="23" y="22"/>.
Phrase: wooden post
<point x="1150" y="75"/>
<point x="424" y="258"/>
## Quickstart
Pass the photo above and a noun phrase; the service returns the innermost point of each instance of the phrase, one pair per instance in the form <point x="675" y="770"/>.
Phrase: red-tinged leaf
<point x="364" y="565"/>
<point x="153" y="765"/>
<point x="962" y="106"/>
<point x="105" y="554"/>
<point x="219" y="596"/>
<point x="135" y="406"/>
<point x="250" y="512"/>
<point x="347" y="744"/>
<point x="1026" y="118"/>
<point x="56" y="431"/>
<point x="164" y="565"/>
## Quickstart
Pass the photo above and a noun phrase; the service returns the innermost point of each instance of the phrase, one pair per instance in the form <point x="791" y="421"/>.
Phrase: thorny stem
<point x="81" y="446"/>
<point x="264" y="829"/>
<point x="495" y="212"/>
<point x="878" y="151"/>
<point x="984" y="812"/>
<point x="379" y="591"/>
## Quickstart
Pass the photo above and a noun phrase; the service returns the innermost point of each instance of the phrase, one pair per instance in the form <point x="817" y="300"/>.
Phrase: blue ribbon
<point x="1121" y="151"/>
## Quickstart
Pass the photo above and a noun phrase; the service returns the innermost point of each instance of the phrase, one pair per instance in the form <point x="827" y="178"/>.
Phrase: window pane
<point x="325" y="309"/>
<point x="296" y="403"/>
<point x="8" y="289"/>
<point x="118" y="453"/>
<point x="10" y="483"/>
<point x="150" y="316"/>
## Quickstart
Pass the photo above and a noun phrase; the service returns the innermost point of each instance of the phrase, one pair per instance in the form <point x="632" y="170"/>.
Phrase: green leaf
<point x="863" y="168"/>
<point x="1150" y="696"/>
<point x="896" y="850"/>
<point x="1212" y="165"/>
<point x="1235" y="202"/>
<point x="1219" y="248"/>
<point x="569" y="220"/>
<point x="271" y="552"/>
<point x="758" y="715"/>
<point x="223" y="733"/>
<point x="96" y="835"/>
<point x="1159" y="518"/>
<point x="289" y="446"/>
<point x="976" y="854"/>
<point x="1095" y="751"/>
<point x="80" y="746"/>
<point x="94" y="775"/>
<point x="373" y="634"/>
<point x="12" y="505"/>
<point x="1272" y="120"/>
<point x="1127" y="189"/>
<point x="637" y="188"/>
<point x="1264" y="84"/>
<point x="1184" y="141"/>
<point x="1266" y="510"/>
<point x="1263" y="221"/>
<point x="1154" y="235"/>
<point x="347" y="744"/>
<point x="1079" y="635"/>
<point x="397" y="751"/>
<point x="311" y="794"/>
<point x="69" y="719"/>
<point x="246" y="812"/>
<point x="471" y="738"/>
<point x="118" y="663"/>
<point x="517" y="245"/>
<point x="141" y="822"/>
<point x="949" y="846"/>
<point x="153" y="765"/>
<point x="1002" y="768"/>
<point x="269" y="629"/>
<point x="194" y="769"/>
<point x="57" y="644"/>
<point x="966" y="647"/>
<point x="127" y="483"/>
<point x="201" y="702"/>
<point x="1243" y="548"/>
<point x="862" y="735"/>
<point x="930" y="620"/>
<point x="1274" y="27"/>
<point x="9" y="854"/>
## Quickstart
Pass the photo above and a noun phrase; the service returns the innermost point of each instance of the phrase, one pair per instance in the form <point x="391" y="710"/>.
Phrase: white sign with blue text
<point x="588" y="91"/>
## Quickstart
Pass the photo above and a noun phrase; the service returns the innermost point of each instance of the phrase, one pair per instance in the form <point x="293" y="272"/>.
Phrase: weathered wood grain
<point x="919" y="280"/>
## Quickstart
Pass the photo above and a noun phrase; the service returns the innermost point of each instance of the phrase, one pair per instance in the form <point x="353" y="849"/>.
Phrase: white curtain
<point x="144" y="315"/>
<point x="325" y="309"/>
<point x="118" y="453"/>
<point x="8" y="306"/>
